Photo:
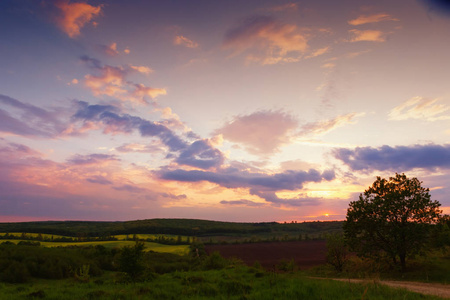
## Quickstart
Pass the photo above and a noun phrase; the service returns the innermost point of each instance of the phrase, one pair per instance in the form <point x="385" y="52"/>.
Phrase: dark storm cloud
<point x="399" y="158"/>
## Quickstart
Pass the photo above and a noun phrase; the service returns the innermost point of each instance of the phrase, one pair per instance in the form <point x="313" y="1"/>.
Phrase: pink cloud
<point x="375" y="18"/>
<point x="111" y="81"/>
<point x="110" y="50"/>
<point x="262" y="132"/>
<point x="268" y="40"/>
<point x="74" y="16"/>
<point x="184" y="41"/>
<point x="283" y="7"/>
<point x="325" y="126"/>
<point x="141" y="92"/>
<point x="367" y="35"/>
<point x="422" y="109"/>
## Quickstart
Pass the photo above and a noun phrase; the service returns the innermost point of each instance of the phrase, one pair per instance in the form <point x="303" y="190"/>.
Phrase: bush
<point x="337" y="253"/>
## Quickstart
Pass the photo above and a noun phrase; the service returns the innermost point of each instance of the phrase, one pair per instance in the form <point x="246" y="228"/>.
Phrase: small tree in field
<point x="337" y="252"/>
<point x="391" y="217"/>
<point x="130" y="260"/>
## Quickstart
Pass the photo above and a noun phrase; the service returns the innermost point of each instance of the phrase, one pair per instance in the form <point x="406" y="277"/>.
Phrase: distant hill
<point x="188" y="227"/>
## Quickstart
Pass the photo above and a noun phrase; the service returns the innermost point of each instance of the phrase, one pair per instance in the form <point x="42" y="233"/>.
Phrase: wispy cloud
<point x="91" y="159"/>
<point x="242" y="202"/>
<point x="25" y="119"/>
<point x="375" y="18"/>
<point x="398" y="158"/>
<point x="422" y="109"/>
<point x="268" y="41"/>
<point x="367" y="35"/>
<point x="110" y="50"/>
<point x="181" y="40"/>
<point x="262" y="132"/>
<point x="74" y="16"/>
<point x="291" y="6"/>
<point x="319" y="52"/>
<point x="325" y="126"/>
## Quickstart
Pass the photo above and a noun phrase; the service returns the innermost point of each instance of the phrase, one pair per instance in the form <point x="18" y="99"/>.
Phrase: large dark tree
<point x="391" y="218"/>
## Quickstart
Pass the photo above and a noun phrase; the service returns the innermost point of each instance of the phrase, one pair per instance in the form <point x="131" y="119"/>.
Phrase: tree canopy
<point x="391" y="217"/>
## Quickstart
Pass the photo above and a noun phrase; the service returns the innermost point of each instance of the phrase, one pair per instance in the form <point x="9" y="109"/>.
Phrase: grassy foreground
<point x="239" y="282"/>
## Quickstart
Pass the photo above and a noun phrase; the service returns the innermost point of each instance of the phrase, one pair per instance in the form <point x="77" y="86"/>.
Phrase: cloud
<point x="323" y="127"/>
<point x="202" y="155"/>
<point x="110" y="50"/>
<point x="129" y="188"/>
<point x="242" y="202"/>
<point x="99" y="180"/>
<point x="375" y="18"/>
<point x="154" y="147"/>
<point x="398" y="158"/>
<point x="111" y="81"/>
<point x="142" y="69"/>
<point x="184" y="41"/>
<point x="262" y="185"/>
<point x="367" y="35"/>
<point x="112" y="121"/>
<point x="319" y="52"/>
<point x="91" y="159"/>
<point x="283" y="7"/>
<point x="141" y="92"/>
<point x="422" y="109"/>
<point x="268" y="40"/>
<point x="262" y="132"/>
<point x="74" y="16"/>
<point x="25" y="119"/>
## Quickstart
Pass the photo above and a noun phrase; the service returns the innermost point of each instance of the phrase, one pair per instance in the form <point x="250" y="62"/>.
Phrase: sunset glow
<point x="220" y="110"/>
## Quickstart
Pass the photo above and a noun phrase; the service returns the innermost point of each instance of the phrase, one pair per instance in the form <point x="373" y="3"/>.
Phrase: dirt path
<point x="436" y="289"/>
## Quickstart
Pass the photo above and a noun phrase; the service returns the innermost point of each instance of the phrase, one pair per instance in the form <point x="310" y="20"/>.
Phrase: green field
<point x="149" y="246"/>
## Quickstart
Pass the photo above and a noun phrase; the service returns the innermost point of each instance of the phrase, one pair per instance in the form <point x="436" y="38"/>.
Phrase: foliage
<point x="131" y="260"/>
<point x="64" y="231"/>
<point x="236" y="283"/>
<point x="337" y="252"/>
<point x="391" y="218"/>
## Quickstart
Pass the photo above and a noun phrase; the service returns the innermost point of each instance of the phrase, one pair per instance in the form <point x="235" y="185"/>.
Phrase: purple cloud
<point x="99" y="180"/>
<point x="399" y="158"/>
<point x="199" y="154"/>
<point x="91" y="159"/>
<point x="241" y="202"/>
<point x="202" y="155"/>
<point x="28" y="120"/>
<point x="114" y="122"/>
<point x="262" y="185"/>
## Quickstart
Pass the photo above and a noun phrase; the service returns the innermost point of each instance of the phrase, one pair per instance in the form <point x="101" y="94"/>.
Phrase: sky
<point x="249" y="111"/>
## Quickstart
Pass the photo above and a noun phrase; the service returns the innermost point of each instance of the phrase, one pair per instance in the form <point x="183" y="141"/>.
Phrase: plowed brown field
<point x="305" y="253"/>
